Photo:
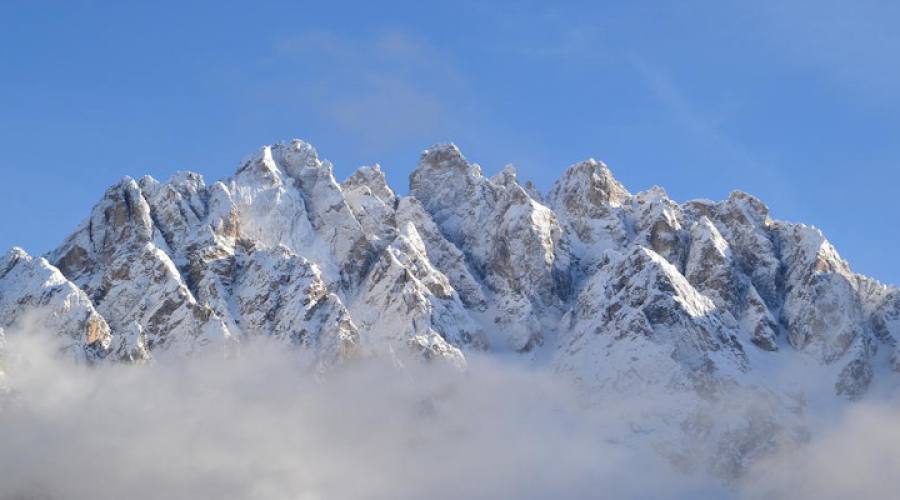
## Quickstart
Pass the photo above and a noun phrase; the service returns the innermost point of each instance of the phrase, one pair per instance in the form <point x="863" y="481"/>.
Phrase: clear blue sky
<point x="797" y="103"/>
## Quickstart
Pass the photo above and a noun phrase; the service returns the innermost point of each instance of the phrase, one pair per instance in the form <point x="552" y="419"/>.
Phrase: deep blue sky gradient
<point x="795" y="102"/>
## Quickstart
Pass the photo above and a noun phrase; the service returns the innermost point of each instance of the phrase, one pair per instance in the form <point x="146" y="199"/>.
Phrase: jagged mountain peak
<point x="753" y="204"/>
<point x="506" y="177"/>
<point x="464" y="262"/>
<point x="13" y="255"/>
<point x="444" y="155"/>
<point x="588" y="181"/>
<point x="624" y="293"/>
<point x="374" y="180"/>
<point x="295" y="154"/>
<point x="35" y="294"/>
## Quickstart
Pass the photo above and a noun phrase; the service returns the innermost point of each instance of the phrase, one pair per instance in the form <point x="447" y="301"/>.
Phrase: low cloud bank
<point x="262" y="426"/>
<point x="856" y="457"/>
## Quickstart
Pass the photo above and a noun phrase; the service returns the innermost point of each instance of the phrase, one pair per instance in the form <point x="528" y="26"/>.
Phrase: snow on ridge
<point x="608" y="287"/>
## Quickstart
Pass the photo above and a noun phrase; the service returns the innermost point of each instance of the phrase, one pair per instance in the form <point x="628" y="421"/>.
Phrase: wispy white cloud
<point x="857" y="457"/>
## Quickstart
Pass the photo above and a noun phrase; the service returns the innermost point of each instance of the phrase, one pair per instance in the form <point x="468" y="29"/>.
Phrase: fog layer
<point x="263" y="426"/>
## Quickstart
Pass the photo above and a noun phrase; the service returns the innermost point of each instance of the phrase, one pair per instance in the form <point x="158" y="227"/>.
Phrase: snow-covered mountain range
<point x="622" y="292"/>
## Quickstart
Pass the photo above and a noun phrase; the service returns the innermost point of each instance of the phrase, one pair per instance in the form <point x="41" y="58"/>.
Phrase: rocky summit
<point x="624" y="293"/>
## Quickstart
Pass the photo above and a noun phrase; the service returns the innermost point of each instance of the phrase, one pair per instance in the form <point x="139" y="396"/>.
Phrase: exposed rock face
<point x="712" y="269"/>
<point x="886" y="325"/>
<point x="35" y="293"/>
<point x="445" y="255"/>
<point x="121" y="260"/>
<point x="588" y="200"/>
<point x="406" y="299"/>
<point x="373" y="204"/>
<point x="639" y="311"/>
<point x="510" y="240"/>
<point x="617" y="290"/>
<point x="280" y="294"/>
